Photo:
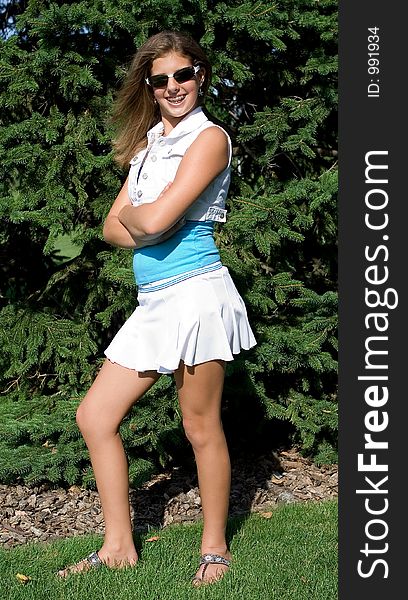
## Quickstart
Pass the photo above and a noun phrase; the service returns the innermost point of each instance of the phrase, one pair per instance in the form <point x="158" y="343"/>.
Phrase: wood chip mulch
<point x="43" y="513"/>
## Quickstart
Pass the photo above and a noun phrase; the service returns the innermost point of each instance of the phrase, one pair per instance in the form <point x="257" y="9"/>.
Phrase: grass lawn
<point x="290" y="555"/>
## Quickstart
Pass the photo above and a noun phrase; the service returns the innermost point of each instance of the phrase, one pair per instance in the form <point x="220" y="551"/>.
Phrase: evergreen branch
<point x="59" y="73"/>
<point x="333" y="166"/>
<point x="266" y="11"/>
<point x="268" y="208"/>
<point x="12" y="384"/>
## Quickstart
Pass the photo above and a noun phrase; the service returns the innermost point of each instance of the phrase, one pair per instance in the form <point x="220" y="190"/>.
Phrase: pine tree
<point x="64" y="292"/>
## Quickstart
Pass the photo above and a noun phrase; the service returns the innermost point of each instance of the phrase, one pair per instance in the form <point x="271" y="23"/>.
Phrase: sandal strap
<point x="94" y="560"/>
<point x="216" y="559"/>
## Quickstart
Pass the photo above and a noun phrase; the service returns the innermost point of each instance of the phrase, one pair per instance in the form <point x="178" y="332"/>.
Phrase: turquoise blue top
<point x="190" y="248"/>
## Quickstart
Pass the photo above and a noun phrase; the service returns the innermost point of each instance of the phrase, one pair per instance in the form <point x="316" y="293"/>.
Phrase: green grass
<point x="290" y="556"/>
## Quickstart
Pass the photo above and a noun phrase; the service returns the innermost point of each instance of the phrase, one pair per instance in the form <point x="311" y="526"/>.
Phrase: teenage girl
<point x="190" y="318"/>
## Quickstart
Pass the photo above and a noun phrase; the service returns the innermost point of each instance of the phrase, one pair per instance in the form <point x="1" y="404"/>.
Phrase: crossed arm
<point x="130" y="226"/>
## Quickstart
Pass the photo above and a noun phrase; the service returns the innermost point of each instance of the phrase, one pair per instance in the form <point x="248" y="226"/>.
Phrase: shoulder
<point x="210" y="147"/>
<point x="212" y="138"/>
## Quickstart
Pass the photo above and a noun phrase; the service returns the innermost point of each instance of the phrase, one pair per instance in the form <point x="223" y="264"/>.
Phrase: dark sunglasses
<point x="181" y="76"/>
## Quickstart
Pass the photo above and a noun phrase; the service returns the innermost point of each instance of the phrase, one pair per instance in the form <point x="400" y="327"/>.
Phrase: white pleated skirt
<point x="196" y="320"/>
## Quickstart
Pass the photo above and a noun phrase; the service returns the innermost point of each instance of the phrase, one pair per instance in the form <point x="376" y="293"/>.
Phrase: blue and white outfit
<point x="188" y="306"/>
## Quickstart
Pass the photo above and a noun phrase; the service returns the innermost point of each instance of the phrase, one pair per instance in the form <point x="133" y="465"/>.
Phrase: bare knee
<point x="201" y="431"/>
<point x="85" y="418"/>
<point x="92" y="423"/>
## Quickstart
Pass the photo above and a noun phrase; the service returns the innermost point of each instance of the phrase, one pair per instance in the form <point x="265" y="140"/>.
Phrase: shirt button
<point x="144" y="176"/>
<point x="153" y="158"/>
<point x="139" y="193"/>
<point x="162" y="142"/>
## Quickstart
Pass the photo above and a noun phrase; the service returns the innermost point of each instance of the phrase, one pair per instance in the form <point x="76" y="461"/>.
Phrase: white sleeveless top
<point x="155" y="166"/>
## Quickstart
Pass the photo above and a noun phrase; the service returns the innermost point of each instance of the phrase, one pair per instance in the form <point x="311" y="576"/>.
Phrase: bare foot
<point x="211" y="572"/>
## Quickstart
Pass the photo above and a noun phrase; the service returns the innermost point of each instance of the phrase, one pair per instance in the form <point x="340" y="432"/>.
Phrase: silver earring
<point x="200" y="91"/>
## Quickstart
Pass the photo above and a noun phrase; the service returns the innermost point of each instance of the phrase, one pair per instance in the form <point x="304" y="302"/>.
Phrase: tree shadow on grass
<point x="173" y="497"/>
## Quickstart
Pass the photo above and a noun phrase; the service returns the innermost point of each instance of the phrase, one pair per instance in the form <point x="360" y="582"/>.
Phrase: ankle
<point x="118" y="549"/>
<point x="221" y="549"/>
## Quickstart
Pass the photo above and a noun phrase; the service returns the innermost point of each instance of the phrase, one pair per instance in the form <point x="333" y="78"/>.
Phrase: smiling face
<point x="175" y="100"/>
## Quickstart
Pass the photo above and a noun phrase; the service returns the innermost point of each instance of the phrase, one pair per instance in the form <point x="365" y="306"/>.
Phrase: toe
<point x="210" y="574"/>
<point x="78" y="567"/>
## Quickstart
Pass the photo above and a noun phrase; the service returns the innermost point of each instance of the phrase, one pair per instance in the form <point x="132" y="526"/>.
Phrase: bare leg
<point x="99" y="415"/>
<point x="200" y="391"/>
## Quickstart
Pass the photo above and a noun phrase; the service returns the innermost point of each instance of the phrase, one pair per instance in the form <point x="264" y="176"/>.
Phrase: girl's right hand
<point x="165" y="189"/>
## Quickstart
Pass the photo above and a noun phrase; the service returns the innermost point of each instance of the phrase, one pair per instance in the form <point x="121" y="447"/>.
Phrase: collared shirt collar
<point x="193" y="120"/>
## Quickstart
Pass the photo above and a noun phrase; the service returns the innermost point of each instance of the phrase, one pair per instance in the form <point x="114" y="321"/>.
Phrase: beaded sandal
<point x="210" y="559"/>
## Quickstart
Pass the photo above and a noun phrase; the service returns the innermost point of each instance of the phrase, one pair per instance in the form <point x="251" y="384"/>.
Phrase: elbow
<point x="106" y="233"/>
<point x="110" y="231"/>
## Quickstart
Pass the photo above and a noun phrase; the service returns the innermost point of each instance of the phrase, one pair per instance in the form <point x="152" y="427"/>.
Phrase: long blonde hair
<point x="134" y="111"/>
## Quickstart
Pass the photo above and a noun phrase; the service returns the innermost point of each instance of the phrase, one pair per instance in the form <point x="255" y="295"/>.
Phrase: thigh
<point x="200" y="388"/>
<point x="114" y="391"/>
